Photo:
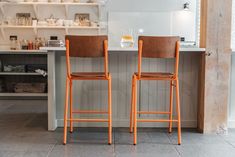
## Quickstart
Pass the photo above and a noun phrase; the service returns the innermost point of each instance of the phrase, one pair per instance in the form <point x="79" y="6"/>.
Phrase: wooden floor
<point x="23" y="134"/>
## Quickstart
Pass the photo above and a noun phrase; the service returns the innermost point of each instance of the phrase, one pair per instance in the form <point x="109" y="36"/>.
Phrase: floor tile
<point x="23" y="131"/>
<point x="122" y="136"/>
<point x="206" y="150"/>
<point x="192" y="137"/>
<point x="11" y="153"/>
<point x="146" y="149"/>
<point x="83" y="150"/>
<point x="36" y="154"/>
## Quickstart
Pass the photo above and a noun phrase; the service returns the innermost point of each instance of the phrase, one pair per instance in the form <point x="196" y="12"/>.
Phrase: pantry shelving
<point x="35" y="7"/>
<point x="36" y="28"/>
<point x="23" y="94"/>
<point x="24" y="57"/>
<point x="36" y="4"/>
<point x="19" y="73"/>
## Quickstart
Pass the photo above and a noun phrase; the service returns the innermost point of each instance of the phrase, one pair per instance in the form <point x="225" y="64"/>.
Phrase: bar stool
<point x="86" y="46"/>
<point x="156" y="47"/>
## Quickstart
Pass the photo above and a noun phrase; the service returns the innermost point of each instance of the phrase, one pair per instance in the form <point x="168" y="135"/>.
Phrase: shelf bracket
<point x="35" y="9"/>
<point x="66" y="31"/>
<point x="3" y="33"/>
<point x="66" y="7"/>
<point x="2" y="10"/>
<point x="99" y="11"/>
<point x="35" y="31"/>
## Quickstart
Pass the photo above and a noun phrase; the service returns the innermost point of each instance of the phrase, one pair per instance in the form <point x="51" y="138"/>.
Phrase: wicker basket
<point x="30" y="87"/>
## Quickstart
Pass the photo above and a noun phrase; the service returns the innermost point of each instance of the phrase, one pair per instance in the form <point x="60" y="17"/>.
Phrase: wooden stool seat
<point x="89" y="75"/>
<point x="155" y="75"/>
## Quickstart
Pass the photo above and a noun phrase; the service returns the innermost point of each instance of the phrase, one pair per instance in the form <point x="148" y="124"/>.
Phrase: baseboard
<point x="125" y="123"/>
<point x="231" y="124"/>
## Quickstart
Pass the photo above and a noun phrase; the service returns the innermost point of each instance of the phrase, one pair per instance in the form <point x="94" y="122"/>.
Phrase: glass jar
<point x="24" y="45"/>
<point x="13" y="42"/>
<point x="127" y="39"/>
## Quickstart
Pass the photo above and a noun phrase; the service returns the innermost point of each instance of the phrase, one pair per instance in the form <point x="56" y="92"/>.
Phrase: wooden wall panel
<point x="153" y="95"/>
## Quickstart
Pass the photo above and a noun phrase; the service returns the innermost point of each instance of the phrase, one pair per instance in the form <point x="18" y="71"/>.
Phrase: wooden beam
<point x="215" y="65"/>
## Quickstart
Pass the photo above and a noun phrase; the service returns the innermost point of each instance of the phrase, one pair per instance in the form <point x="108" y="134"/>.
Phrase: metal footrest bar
<point x="152" y="112"/>
<point x="156" y="120"/>
<point x="90" y="112"/>
<point x="89" y="120"/>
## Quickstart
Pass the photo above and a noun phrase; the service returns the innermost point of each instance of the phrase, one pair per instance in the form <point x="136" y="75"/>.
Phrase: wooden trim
<point x="203" y="24"/>
<point x="201" y="93"/>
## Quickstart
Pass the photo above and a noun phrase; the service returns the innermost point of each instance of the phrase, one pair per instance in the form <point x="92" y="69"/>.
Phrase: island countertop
<point x="119" y="49"/>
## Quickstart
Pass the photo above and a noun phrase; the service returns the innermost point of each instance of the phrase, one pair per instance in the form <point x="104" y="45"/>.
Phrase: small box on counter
<point x="30" y="88"/>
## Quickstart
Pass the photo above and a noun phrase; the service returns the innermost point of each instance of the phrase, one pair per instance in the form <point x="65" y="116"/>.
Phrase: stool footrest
<point x="89" y="120"/>
<point x="90" y="112"/>
<point x="156" y="120"/>
<point x="152" y="112"/>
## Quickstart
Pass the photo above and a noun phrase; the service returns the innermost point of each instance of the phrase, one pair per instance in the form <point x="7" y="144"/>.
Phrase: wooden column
<point x="215" y="65"/>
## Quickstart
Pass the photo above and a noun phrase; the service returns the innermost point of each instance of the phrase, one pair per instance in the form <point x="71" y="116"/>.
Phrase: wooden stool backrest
<point x="86" y="46"/>
<point x="158" y="47"/>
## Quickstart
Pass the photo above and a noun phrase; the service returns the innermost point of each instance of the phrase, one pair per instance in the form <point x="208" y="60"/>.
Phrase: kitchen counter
<point x="119" y="49"/>
<point x="122" y="64"/>
<point x="93" y="94"/>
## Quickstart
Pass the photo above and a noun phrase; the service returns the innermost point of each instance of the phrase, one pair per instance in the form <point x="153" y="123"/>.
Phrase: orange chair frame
<point x="68" y="96"/>
<point x="174" y="82"/>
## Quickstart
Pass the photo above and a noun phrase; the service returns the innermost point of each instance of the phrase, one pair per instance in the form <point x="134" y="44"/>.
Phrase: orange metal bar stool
<point x="86" y="46"/>
<point x="156" y="47"/>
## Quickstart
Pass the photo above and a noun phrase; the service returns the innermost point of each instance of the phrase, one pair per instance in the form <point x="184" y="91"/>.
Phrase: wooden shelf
<point x="23" y="52"/>
<point x="48" y="3"/>
<point x="51" y="27"/>
<point x="20" y="73"/>
<point x="23" y="94"/>
<point x="35" y="6"/>
<point x="35" y="28"/>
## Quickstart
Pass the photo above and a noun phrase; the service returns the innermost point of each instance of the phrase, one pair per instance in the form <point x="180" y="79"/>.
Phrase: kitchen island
<point x="122" y="64"/>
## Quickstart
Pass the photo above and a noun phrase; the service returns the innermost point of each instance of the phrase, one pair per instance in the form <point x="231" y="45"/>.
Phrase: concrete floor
<point x="23" y="134"/>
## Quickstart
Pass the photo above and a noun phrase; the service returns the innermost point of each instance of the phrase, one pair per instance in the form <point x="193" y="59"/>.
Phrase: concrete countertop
<point x="119" y="49"/>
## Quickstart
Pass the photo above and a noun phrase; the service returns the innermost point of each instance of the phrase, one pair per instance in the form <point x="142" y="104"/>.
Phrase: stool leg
<point x="171" y="106"/>
<point x="178" y="111"/>
<point x="110" y="109"/>
<point x="66" y="110"/>
<point x="71" y="105"/>
<point x="132" y="102"/>
<point x="135" y="112"/>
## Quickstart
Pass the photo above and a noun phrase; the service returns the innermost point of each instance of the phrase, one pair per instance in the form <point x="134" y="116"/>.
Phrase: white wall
<point x="148" y="5"/>
<point x="181" y="25"/>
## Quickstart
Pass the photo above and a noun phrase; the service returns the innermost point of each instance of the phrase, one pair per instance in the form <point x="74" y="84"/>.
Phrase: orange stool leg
<point x="135" y="111"/>
<point x="178" y="111"/>
<point x="71" y="105"/>
<point x="66" y="110"/>
<point x="110" y="109"/>
<point x="171" y="106"/>
<point x="132" y="102"/>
